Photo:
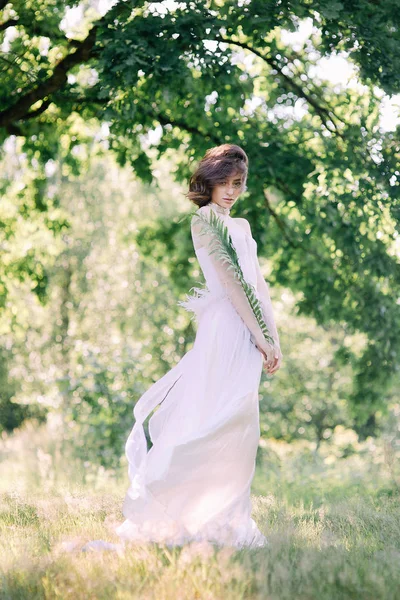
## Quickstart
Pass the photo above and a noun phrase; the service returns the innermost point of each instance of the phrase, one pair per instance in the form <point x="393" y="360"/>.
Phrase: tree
<point x="323" y="197"/>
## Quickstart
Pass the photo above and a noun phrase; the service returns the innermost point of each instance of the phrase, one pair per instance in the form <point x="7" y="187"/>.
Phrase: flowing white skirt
<point x="194" y="482"/>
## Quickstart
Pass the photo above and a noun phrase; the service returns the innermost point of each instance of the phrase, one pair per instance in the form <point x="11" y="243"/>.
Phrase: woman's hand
<point x="272" y="358"/>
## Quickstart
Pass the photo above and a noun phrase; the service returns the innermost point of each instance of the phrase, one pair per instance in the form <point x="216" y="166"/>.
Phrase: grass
<point x="333" y="526"/>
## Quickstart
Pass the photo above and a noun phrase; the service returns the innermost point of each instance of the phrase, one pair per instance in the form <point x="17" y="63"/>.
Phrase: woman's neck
<point x="220" y="209"/>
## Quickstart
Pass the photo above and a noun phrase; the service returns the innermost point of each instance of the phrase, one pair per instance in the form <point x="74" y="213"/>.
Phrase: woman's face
<point x="227" y="192"/>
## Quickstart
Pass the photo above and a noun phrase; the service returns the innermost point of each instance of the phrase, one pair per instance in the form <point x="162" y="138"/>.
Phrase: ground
<point x="333" y="526"/>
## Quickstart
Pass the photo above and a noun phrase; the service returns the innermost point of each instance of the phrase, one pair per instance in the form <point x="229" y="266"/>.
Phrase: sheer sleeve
<point x="232" y="286"/>
<point x="265" y="299"/>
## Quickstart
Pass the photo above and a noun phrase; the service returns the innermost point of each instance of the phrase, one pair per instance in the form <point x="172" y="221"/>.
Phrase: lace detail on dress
<point x="221" y="210"/>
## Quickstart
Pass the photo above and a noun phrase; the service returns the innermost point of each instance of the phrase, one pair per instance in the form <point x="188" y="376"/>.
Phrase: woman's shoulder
<point x="202" y="210"/>
<point x="243" y="223"/>
<point x="205" y="209"/>
<point x="197" y="216"/>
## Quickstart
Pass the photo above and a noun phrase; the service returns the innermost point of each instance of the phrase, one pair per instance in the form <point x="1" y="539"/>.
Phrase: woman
<point x="194" y="482"/>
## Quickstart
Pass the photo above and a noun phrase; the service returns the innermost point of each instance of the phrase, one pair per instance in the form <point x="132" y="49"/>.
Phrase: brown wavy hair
<point x="217" y="164"/>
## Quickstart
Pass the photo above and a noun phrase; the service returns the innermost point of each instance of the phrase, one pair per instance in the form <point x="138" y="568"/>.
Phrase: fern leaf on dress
<point x="222" y="246"/>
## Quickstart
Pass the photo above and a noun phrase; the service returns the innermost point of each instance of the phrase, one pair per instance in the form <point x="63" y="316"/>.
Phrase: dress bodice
<point x="245" y="245"/>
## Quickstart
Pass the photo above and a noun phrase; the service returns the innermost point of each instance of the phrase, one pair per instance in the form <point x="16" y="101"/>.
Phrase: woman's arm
<point x="263" y="292"/>
<point x="265" y="298"/>
<point x="232" y="286"/>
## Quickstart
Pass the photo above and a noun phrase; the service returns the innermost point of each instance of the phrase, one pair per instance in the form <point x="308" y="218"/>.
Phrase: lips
<point x="228" y="199"/>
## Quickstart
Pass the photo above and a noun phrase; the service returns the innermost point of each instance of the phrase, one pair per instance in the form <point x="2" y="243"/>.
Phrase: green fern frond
<point x="221" y="245"/>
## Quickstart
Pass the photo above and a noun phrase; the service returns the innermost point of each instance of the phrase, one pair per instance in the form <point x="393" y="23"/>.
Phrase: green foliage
<point x="375" y="26"/>
<point x="13" y="414"/>
<point x="323" y="198"/>
<point x="105" y="332"/>
<point x="308" y="397"/>
<point x="98" y="407"/>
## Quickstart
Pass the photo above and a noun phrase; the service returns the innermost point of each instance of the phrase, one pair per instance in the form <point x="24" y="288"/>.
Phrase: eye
<point x="236" y="184"/>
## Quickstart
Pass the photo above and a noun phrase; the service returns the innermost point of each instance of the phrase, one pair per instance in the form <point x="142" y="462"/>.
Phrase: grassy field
<point x="333" y="525"/>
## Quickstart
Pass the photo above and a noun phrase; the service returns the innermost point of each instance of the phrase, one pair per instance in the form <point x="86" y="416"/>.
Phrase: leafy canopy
<point x="323" y="197"/>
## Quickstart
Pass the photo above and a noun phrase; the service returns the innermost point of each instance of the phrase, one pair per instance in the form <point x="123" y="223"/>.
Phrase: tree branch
<point x="193" y="130"/>
<point x="7" y="24"/>
<point x="58" y="78"/>
<point x="86" y="99"/>
<point x="35" y="113"/>
<point x="281" y="224"/>
<point x="324" y="113"/>
<point x="14" y="130"/>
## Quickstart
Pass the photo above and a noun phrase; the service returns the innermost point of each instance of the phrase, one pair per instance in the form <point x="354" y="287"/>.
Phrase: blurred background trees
<point x="104" y="110"/>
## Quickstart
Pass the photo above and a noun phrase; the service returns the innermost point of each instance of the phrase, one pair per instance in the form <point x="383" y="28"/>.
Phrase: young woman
<point x="194" y="482"/>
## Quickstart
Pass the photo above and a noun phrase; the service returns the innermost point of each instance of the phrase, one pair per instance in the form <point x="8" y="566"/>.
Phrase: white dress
<point x="194" y="482"/>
